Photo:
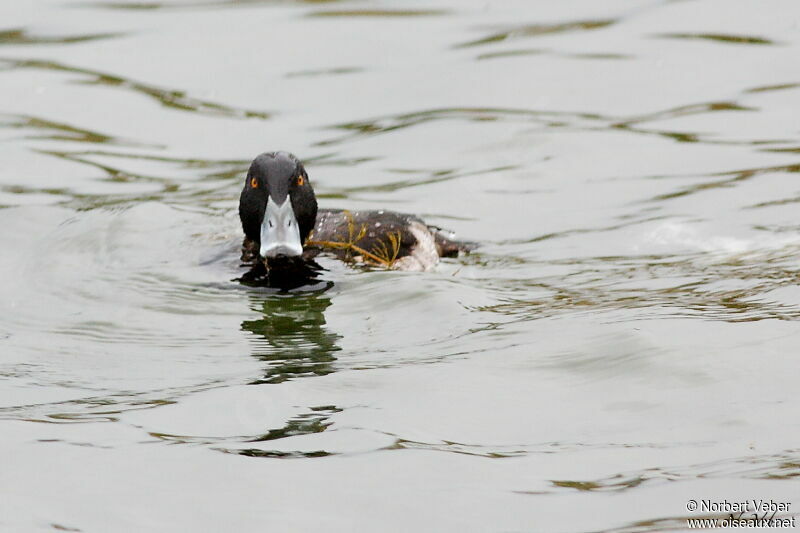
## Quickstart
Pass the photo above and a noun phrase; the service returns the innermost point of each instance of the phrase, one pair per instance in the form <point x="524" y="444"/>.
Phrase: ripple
<point x="337" y="71"/>
<point x="171" y="98"/>
<point x="429" y="177"/>
<point x="193" y="4"/>
<point x="719" y="38"/>
<point x="539" y="51"/>
<point x="102" y="408"/>
<point x="389" y="123"/>
<point x="377" y="13"/>
<point x="616" y="283"/>
<point x="550" y="120"/>
<point x="507" y="451"/>
<point x="773" y="88"/>
<point x="21" y="36"/>
<point x="187" y="181"/>
<point x="676" y="523"/>
<point x="785" y="465"/>
<point x="537" y="30"/>
<point x="730" y="177"/>
<point x="59" y="131"/>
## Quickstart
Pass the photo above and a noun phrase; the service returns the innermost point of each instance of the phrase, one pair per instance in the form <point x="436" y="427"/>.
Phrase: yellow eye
<point x="300" y="180"/>
<point x="254" y="183"/>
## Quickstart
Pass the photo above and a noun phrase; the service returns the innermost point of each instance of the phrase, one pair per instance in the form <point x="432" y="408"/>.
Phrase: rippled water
<point x="622" y="342"/>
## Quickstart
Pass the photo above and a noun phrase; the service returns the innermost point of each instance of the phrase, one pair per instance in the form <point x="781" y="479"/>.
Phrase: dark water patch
<point x="317" y="421"/>
<point x="134" y="6"/>
<point x="21" y="189"/>
<point x="599" y="56"/>
<point x="783" y="150"/>
<point x="682" y="111"/>
<point x="83" y="444"/>
<point x="197" y="4"/>
<point x="276" y="454"/>
<point x="718" y="37"/>
<point x="513" y="193"/>
<point x="511" y="53"/>
<point x="60" y="131"/>
<point x="186" y="162"/>
<point x="594" y="486"/>
<point x="772" y="88"/>
<point x="507" y="451"/>
<point x="537" y="30"/>
<point x="61" y="527"/>
<point x="305" y="424"/>
<point x="171" y="98"/>
<point x="792" y="229"/>
<point x="184" y="439"/>
<point x="337" y="71"/>
<point x="377" y="13"/>
<point x="489" y="452"/>
<point x="541" y="51"/>
<point x="21" y="36"/>
<point x="729" y="179"/>
<point x="631" y="124"/>
<point x="773" y="203"/>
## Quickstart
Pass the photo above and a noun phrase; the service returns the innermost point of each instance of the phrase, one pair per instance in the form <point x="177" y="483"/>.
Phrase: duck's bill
<point x="280" y="234"/>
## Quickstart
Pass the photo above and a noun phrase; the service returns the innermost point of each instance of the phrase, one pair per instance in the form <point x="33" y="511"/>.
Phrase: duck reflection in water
<point x="291" y="335"/>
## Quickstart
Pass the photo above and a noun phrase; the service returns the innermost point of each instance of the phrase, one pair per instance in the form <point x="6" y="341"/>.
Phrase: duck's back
<point x="396" y="240"/>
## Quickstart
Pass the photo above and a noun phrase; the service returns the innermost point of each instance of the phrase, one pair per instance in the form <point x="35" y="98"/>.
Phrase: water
<point x="622" y="342"/>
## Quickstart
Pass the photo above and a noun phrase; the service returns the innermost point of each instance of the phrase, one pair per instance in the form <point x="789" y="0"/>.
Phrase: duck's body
<point x="397" y="240"/>
<point x="283" y="226"/>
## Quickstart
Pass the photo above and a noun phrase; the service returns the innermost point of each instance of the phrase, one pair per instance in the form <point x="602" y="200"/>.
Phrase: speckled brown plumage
<point x="284" y="230"/>
<point x="419" y="247"/>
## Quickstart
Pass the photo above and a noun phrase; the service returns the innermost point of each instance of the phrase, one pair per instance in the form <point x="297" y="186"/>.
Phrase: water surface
<point x="622" y="341"/>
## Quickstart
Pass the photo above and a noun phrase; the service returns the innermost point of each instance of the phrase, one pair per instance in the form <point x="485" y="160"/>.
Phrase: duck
<point x="284" y="230"/>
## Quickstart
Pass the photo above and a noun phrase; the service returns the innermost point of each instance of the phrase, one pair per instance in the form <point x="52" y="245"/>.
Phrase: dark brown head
<point x="277" y="207"/>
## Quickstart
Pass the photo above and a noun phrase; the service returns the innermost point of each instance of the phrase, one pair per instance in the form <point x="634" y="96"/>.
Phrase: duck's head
<point x="277" y="207"/>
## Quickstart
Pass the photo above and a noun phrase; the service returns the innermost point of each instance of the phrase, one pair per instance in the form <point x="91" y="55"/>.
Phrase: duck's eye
<point x="254" y="183"/>
<point x="300" y="180"/>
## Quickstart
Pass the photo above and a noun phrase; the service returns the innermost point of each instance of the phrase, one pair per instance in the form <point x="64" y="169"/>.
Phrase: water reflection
<point x="720" y="38"/>
<point x="315" y="421"/>
<point x="291" y="336"/>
